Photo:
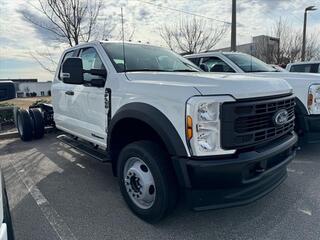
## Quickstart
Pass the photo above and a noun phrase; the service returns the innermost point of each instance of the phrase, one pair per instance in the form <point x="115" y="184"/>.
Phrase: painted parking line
<point x="55" y="220"/>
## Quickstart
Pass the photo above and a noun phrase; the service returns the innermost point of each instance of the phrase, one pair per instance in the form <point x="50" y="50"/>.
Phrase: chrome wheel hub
<point x="139" y="183"/>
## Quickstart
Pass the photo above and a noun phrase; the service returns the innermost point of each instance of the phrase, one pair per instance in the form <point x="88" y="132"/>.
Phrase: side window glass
<point x="215" y="64"/>
<point x="314" y="68"/>
<point x="90" y="60"/>
<point x="67" y="55"/>
<point x="195" y="60"/>
<point x="301" y="68"/>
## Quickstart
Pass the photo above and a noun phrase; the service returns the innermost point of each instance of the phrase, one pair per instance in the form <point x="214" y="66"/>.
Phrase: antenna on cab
<point x="123" y="47"/>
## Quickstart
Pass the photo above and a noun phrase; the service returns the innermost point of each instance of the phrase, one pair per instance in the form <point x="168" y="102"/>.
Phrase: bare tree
<point x="291" y="43"/>
<point x="192" y="35"/>
<point x="68" y="21"/>
<point x="45" y="59"/>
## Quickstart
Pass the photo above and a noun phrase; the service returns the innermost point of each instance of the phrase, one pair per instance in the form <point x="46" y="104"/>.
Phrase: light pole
<point x="303" y="54"/>
<point x="233" y="27"/>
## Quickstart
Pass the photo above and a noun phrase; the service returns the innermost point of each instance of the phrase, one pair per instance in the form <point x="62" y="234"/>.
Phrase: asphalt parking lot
<point x="56" y="192"/>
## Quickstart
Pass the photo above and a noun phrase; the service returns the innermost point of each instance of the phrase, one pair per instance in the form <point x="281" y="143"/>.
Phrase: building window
<point x="42" y="93"/>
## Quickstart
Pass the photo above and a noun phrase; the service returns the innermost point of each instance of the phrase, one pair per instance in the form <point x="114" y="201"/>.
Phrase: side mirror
<point x="72" y="71"/>
<point x="7" y="91"/>
<point x="204" y="67"/>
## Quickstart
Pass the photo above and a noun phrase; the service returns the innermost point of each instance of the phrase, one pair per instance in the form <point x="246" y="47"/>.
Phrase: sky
<point x="20" y="40"/>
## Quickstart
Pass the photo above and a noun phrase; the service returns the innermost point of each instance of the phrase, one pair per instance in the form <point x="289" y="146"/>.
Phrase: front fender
<point x="156" y="120"/>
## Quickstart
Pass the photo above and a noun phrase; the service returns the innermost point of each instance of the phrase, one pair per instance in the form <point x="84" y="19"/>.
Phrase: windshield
<point x="248" y="63"/>
<point x="140" y="57"/>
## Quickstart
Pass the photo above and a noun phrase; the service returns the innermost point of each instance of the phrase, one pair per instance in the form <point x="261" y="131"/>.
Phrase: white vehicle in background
<point x="306" y="86"/>
<point x="170" y="129"/>
<point x="304" y="67"/>
<point x="7" y="91"/>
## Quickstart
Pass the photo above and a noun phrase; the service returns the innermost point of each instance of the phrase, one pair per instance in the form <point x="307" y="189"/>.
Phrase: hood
<point x="310" y="77"/>
<point x="238" y="85"/>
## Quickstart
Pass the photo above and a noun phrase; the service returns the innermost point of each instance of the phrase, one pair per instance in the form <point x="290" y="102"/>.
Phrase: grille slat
<point x="246" y="124"/>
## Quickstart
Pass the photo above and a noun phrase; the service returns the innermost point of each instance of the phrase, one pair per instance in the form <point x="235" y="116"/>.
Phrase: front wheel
<point x="147" y="181"/>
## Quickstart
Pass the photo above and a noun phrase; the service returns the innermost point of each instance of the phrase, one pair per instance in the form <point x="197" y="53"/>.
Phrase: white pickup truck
<point x="306" y="86"/>
<point x="305" y="67"/>
<point x="170" y="129"/>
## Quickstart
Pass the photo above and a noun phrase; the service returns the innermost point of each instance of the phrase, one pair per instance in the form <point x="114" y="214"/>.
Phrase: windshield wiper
<point x="145" y="70"/>
<point x="253" y="71"/>
<point x="185" y="70"/>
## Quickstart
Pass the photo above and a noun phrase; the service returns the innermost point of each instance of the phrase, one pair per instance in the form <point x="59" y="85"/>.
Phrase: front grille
<point x="250" y="123"/>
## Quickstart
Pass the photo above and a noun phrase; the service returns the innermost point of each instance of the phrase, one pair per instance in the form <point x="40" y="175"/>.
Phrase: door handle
<point x="71" y="93"/>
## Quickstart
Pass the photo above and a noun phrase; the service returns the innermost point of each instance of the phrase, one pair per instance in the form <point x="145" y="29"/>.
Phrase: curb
<point x="9" y="135"/>
<point x="15" y="134"/>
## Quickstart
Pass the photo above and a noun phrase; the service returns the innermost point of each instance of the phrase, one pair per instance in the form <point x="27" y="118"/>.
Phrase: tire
<point x="155" y="200"/>
<point x="24" y="125"/>
<point x="38" y="122"/>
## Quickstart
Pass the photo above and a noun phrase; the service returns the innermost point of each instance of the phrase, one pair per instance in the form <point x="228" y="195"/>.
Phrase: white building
<point x="28" y="89"/>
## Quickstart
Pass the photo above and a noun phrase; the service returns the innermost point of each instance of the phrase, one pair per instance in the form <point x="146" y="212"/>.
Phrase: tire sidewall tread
<point x="23" y="115"/>
<point x="158" y="163"/>
<point x="38" y="123"/>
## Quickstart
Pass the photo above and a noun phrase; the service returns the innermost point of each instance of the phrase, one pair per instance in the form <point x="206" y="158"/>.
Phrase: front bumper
<point x="311" y="128"/>
<point x="237" y="179"/>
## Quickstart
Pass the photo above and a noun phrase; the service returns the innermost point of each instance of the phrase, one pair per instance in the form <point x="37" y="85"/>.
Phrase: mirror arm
<point x="95" y="72"/>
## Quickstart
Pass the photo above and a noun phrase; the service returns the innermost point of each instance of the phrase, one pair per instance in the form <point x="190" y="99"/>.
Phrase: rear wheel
<point x="24" y="124"/>
<point x="38" y="122"/>
<point x="147" y="181"/>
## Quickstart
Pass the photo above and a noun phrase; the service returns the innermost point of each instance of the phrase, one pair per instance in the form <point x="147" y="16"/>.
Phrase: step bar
<point x="85" y="147"/>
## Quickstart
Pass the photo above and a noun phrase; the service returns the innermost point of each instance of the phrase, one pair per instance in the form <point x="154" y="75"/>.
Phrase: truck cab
<point x="173" y="131"/>
<point x="304" y="67"/>
<point x="306" y="86"/>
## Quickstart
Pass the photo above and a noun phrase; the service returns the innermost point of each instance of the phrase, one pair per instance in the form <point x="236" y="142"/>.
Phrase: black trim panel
<point x="211" y="184"/>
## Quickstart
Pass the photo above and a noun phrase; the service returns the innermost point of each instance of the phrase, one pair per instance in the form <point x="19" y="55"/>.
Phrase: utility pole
<point x="234" y="27"/>
<point x="303" y="53"/>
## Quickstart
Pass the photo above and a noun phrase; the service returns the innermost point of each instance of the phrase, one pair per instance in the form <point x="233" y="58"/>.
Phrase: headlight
<point x="203" y="125"/>
<point x="314" y="99"/>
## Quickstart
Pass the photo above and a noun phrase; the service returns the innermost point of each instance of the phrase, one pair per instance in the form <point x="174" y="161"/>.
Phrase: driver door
<point x="87" y="105"/>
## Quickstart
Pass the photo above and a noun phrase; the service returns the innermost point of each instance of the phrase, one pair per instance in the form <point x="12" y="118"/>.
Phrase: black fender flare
<point x="156" y="120"/>
<point x="301" y="112"/>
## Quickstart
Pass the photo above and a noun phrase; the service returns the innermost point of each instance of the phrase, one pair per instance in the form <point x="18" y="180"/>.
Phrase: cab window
<point x="215" y="64"/>
<point x="308" y="68"/>
<point x="90" y="60"/>
<point x="196" y="61"/>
